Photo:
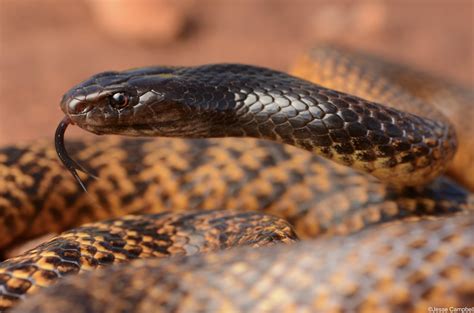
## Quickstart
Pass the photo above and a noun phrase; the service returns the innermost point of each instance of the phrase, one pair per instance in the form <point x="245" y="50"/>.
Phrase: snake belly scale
<point x="422" y="257"/>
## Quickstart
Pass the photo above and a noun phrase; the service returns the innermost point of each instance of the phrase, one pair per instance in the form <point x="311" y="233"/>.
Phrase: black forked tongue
<point x="69" y="163"/>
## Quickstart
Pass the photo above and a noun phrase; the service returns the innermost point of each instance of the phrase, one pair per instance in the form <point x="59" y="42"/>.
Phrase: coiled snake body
<point x="404" y="265"/>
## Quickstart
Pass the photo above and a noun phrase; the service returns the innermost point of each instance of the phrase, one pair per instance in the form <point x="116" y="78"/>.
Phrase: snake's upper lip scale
<point x="69" y="163"/>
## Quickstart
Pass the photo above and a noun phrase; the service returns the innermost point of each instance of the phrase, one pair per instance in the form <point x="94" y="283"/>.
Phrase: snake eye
<point x="119" y="100"/>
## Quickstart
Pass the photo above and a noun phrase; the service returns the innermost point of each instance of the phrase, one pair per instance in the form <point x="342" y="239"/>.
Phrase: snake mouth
<point x="71" y="165"/>
<point x="165" y="129"/>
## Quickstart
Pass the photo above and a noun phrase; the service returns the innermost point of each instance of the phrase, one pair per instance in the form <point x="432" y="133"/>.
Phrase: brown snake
<point x="395" y="267"/>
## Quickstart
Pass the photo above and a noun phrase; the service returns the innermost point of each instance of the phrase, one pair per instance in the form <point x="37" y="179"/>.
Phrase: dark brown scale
<point x="344" y="148"/>
<point x="144" y="186"/>
<point x="366" y="156"/>
<point x="340" y="136"/>
<point x="362" y="143"/>
<point x="378" y="80"/>
<point x="349" y="116"/>
<point x="317" y="127"/>
<point x="160" y="235"/>
<point x="275" y="280"/>
<point x="386" y="150"/>
<point x="332" y="121"/>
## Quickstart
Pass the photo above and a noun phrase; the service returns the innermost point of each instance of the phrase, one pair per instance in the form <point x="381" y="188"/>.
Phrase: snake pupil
<point x="119" y="100"/>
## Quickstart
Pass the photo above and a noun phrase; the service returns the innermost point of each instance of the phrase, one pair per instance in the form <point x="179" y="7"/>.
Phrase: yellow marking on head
<point x="166" y="75"/>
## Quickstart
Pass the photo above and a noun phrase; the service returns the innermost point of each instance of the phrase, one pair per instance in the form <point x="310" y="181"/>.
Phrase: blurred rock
<point x="146" y="21"/>
<point x="338" y="20"/>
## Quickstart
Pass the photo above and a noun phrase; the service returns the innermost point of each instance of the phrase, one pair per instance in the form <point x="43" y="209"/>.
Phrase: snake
<point x="387" y="234"/>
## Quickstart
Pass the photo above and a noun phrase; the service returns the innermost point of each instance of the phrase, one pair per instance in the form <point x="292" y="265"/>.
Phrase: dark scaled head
<point x="128" y="103"/>
<point x="153" y="101"/>
<point x="165" y="101"/>
<point x="114" y="103"/>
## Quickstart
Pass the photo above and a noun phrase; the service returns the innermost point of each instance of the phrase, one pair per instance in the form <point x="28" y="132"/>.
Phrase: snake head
<point x="97" y="103"/>
<point x="153" y="101"/>
<point x="110" y="103"/>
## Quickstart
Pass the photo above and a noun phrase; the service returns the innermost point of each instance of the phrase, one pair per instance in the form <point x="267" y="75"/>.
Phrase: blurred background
<point x="47" y="46"/>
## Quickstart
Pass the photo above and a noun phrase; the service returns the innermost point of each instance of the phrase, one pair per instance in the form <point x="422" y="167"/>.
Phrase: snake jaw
<point x="63" y="155"/>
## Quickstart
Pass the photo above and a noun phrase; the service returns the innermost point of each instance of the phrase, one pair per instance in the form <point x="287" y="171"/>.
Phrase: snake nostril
<point x="76" y="106"/>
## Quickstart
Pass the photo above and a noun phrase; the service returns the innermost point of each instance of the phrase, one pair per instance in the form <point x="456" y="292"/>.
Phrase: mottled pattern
<point x="403" y="267"/>
<point x="130" y="237"/>
<point x="38" y="196"/>
<point x="378" y="80"/>
<point x="424" y="260"/>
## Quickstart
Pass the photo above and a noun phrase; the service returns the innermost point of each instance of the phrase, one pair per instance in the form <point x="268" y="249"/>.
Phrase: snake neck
<point x="245" y="101"/>
<point x="397" y="147"/>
